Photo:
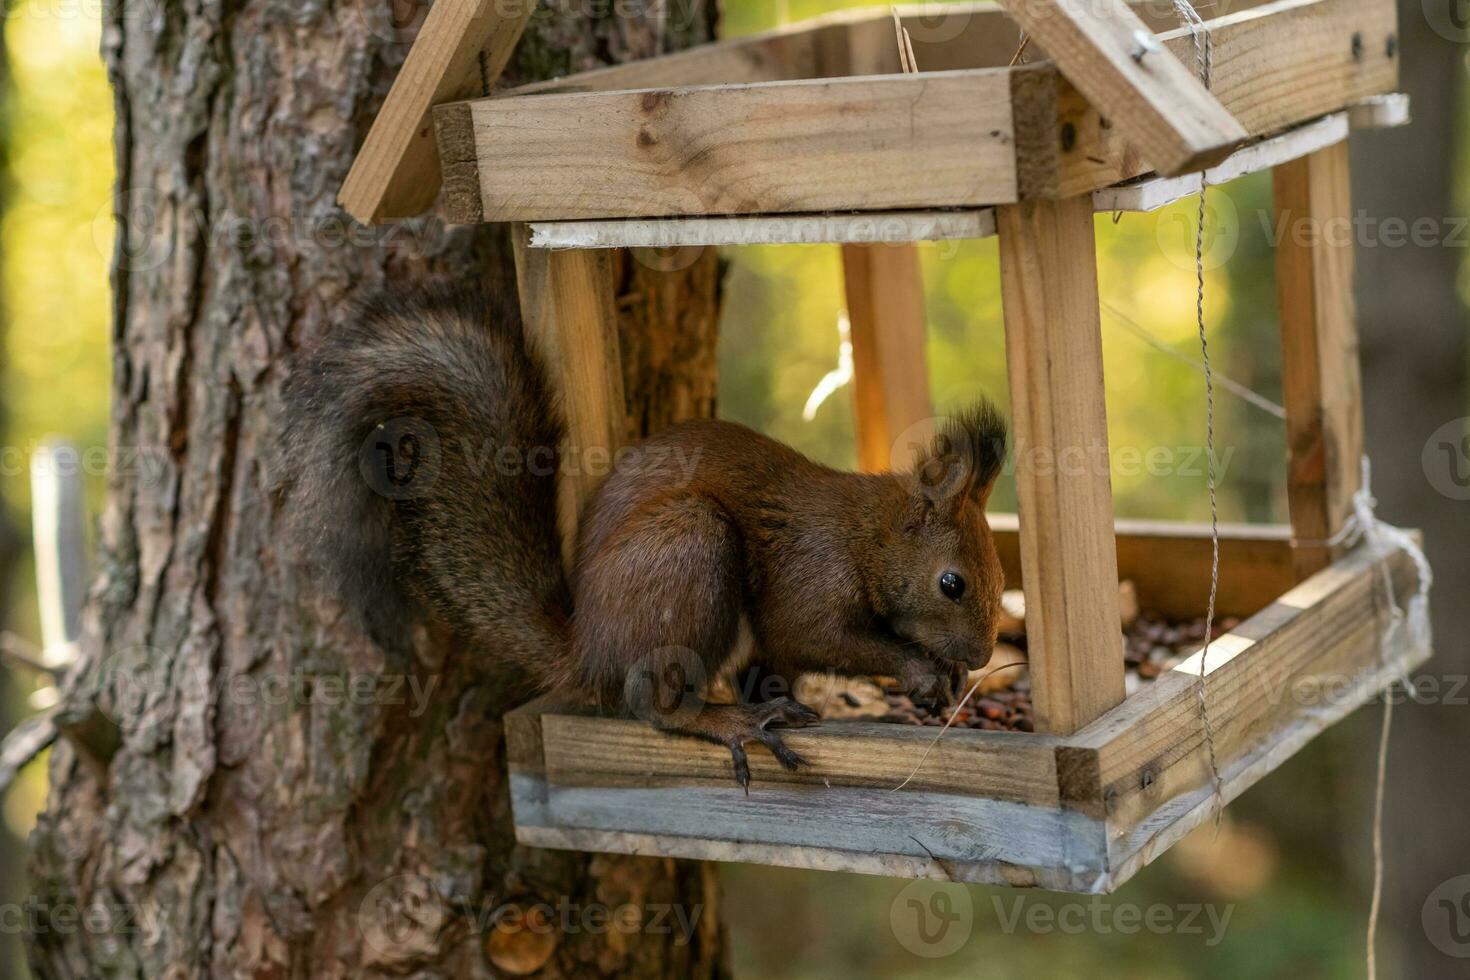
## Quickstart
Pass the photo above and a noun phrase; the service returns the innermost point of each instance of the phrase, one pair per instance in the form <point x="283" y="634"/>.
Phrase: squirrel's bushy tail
<point x="420" y="441"/>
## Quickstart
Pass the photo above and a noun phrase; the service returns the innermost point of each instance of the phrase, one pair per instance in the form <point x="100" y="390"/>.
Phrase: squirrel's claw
<point x="754" y="725"/>
<point x="742" y="766"/>
<point x="786" y="713"/>
<point x="789" y="760"/>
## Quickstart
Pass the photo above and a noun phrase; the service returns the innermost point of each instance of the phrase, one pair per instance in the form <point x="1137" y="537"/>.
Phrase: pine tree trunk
<point x="259" y="791"/>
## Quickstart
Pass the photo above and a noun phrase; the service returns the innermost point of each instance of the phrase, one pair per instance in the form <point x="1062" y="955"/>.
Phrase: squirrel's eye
<point x="952" y="584"/>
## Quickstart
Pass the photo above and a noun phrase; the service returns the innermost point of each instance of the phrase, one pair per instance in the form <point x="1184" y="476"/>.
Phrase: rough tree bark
<point x="249" y="788"/>
<point x="1413" y="323"/>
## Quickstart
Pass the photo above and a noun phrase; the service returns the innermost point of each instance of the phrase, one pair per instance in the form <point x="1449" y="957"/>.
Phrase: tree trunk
<point x="1414" y="382"/>
<point x="259" y="791"/>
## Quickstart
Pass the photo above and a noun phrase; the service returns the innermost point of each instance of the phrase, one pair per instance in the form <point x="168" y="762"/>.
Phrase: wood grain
<point x="1157" y="192"/>
<point x="591" y="751"/>
<point x="1274" y="65"/>
<point x="1048" y="267"/>
<point x="871" y="227"/>
<point x="1321" y="384"/>
<point x="1169" y="563"/>
<point x="936" y="139"/>
<point x="460" y="51"/>
<point x="1159" y="103"/>
<point x="1302" y="663"/>
<point x="890" y="373"/>
<point x="567" y="302"/>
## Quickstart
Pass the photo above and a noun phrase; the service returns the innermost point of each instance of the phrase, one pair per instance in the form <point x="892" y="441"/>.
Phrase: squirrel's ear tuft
<point x="965" y="456"/>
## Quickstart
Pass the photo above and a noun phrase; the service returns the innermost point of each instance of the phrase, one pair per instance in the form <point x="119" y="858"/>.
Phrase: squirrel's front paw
<point x="937" y="683"/>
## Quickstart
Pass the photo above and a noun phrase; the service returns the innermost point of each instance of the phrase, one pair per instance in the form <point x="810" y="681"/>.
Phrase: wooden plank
<point x="891" y="227"/>
<point x="568" y="306"/>
<point x="1159" y="103"/>
<point x="1274" y="66"/>
<point x="890" y="374"/>
<point x="932" y="140"/>
<point x="460" y="51"/>
<point x="1048" y="267"/>
<point x="1381" y="112"/>
<point x="1152" y="194"/>
<point x="1279" y="679"/>
<point x="1321" y="385"/>
<point x="946" y="37"/>
<point x="919" y="835"/>
<point x="958" y="829"/>
<point x="787" y="53"/>
<point x="1016" y="766"/>
<point x="1169" y="563"/>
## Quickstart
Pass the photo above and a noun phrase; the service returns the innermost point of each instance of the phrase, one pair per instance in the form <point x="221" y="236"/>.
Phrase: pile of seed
<point x="1152" y="644"/>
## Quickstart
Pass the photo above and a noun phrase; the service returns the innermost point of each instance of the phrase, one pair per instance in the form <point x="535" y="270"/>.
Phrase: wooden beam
<point x="1274" y="66"/>
<point x="1048" y="266"/>
<point x="1272" y="684"/>
<point x="1109" y="54"/>
<point x="567" y="302"/>
<point x="461" y="49"/>
<point x="1169" y="563"/>
<point x="932" y="140"/>
<point x="786" y="53"/>
<point x="1321" y="384"/>
<point x="593" y="751"/>
<point x="1154" y="193"/>
<point x="890" y="375"/>
<point x="891" y="227"/>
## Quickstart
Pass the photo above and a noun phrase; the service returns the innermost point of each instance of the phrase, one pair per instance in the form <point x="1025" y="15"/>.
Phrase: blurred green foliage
<point x="55" y="239"/>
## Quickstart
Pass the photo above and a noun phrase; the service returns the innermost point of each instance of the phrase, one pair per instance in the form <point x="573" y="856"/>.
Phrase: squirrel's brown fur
<point x="424" y="446"/>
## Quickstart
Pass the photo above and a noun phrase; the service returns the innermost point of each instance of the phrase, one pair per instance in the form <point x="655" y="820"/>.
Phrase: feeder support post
<point x="1321" y="383"/>
<point x="569" y="307"/>
<point x="1069" y="562"/>
<point x="890" y="376"/>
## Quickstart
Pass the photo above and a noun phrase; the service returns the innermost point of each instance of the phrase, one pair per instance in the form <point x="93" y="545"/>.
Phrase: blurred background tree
<point x="1292" y="855"/>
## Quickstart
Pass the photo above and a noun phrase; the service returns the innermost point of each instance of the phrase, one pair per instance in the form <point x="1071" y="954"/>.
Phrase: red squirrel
<point x="424" y="443"/>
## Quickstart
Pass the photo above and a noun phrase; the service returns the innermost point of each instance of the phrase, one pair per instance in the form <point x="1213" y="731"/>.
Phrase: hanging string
<point x="1383" y="539"/>
<point x="1376" y="903"/>
<point x="1204" y="54"/>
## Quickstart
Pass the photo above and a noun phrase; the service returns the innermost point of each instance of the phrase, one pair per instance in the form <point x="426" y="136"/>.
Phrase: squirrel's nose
<point x="977" y="655"/>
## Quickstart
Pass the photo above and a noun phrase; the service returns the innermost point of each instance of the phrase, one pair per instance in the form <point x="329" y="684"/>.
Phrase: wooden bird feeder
<point x="812" y="134"/>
